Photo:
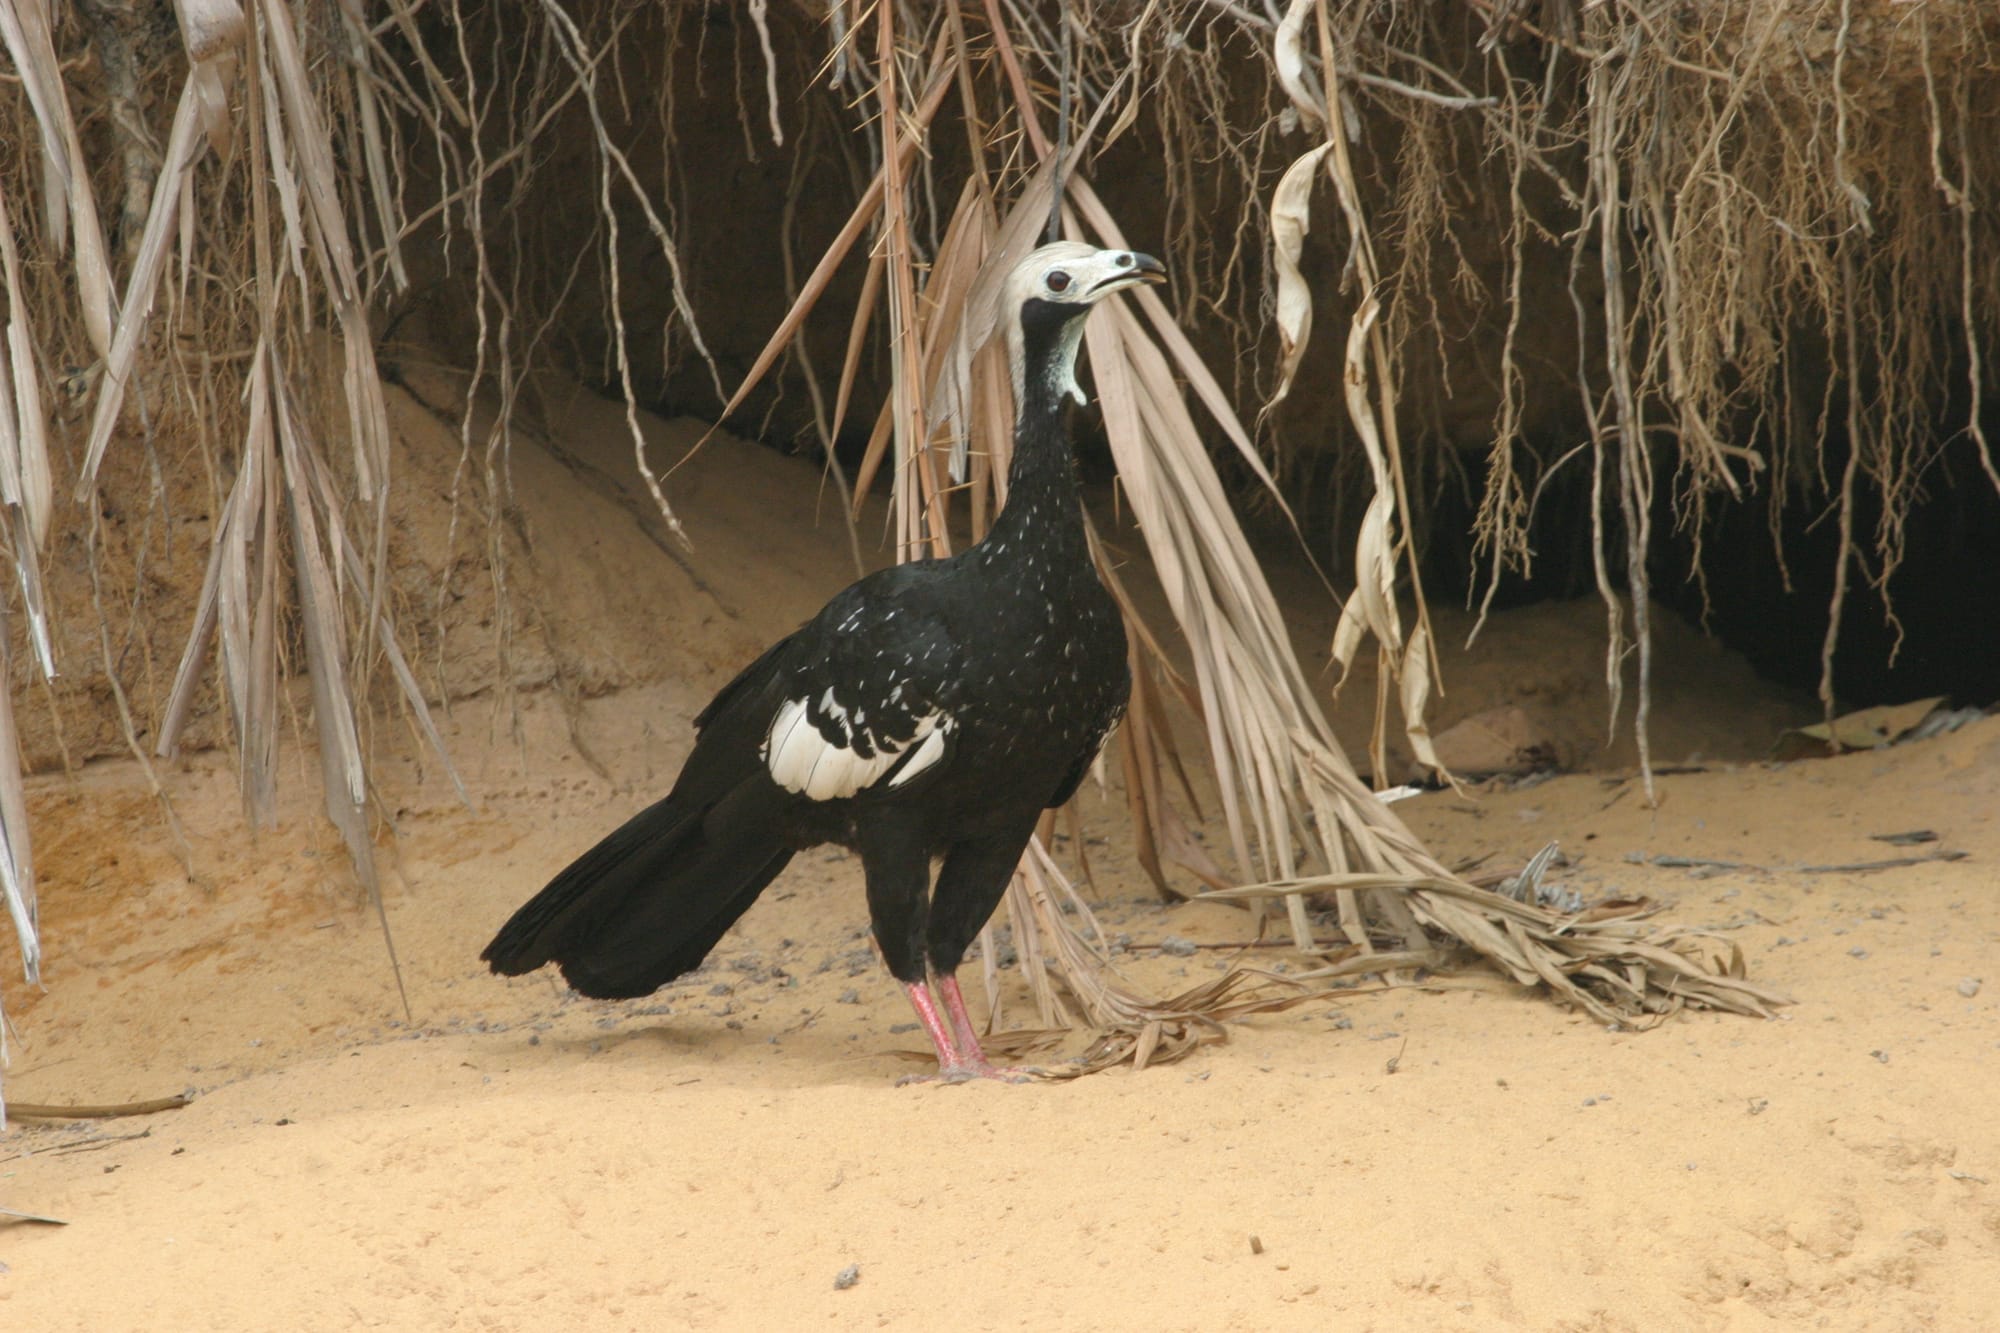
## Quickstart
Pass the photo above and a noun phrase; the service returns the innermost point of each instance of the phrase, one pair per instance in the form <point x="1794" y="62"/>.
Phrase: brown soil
<point x="1461" y="1155"/>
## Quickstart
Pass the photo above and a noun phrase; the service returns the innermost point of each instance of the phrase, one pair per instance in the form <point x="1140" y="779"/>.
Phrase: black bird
<point x="931" y="710"/>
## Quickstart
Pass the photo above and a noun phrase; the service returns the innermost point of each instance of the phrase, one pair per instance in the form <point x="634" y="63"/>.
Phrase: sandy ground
<point x="1460" y="1156"/>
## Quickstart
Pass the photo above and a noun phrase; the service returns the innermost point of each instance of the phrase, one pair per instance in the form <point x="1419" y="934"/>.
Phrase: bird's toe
<point x="969" y="1071"/>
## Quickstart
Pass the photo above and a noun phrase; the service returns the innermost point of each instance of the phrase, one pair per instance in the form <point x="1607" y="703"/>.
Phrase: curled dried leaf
<point x="1294" y="77"/>
<point x="1290" y="220"/>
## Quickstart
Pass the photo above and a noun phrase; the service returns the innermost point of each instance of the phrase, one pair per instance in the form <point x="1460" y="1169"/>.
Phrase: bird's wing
<point x="862" y="695"/>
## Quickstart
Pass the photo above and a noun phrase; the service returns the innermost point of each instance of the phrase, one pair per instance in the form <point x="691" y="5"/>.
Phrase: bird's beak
<point x="1142" y="269"/>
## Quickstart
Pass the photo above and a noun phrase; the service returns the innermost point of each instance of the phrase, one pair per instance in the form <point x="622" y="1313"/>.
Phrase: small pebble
<point x="1969" y="987"/>
<point x="1857" y="952"/>
<point x="847" y="1277"/>
<point x="849" y="997"/>
<point x="1178" y="947"/>
<point x="1881" y="1056"/>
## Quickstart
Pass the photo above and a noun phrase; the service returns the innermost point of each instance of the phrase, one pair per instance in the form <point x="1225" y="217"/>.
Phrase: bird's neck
<point x="1044" y="509"/>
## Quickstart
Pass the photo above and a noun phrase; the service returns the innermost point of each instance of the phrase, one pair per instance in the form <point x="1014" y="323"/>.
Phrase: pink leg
<point x="954" y="1004"/>
<point x="927" y="1014"/>
<point x="955" y="1065"/>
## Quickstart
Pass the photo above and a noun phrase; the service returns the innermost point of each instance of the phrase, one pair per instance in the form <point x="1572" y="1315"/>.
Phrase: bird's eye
<point x="1058" y="281"/>
<point x="1124" y="261"/>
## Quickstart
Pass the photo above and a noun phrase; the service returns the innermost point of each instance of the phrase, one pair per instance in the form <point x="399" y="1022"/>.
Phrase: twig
<point x="1054" y="228"/>
<point x="1893" y="863"/>
<point x="1241" y="15"/>
<point x="1697" y="863"/>
<point x="91" y="1144"/>
<point x="1447" y="100"/>
<point x="1137" y="946"/>
<point x="758" y="16"/>
<point x="800" y="348"/>
<point x="20" y="1216"/>
<point x="105" y="1111"/>
<point x="576" y="54"/>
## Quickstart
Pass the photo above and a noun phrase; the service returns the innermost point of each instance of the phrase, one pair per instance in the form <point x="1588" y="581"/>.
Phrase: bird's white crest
<point x="801" y="760"/>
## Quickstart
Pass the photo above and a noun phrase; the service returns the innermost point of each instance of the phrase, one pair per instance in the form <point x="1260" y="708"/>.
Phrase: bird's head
<point x="1047" y="295"/>
<point x="1076" y="276"/>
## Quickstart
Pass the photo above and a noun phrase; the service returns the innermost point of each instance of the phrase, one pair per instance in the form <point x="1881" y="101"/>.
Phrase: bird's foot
<point x="966" y="1071"/>
<point x="959" y="1058"/>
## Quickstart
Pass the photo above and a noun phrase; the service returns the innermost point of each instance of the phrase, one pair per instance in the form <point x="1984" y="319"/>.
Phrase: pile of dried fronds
<point x="1731" y="190"/>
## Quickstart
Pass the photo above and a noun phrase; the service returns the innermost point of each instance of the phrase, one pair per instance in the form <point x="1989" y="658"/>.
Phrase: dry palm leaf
<point x="26" y="488"/>
<point x="17" y="871"/>
<point x="67" y="199"/>
<point x="135" y="315"/>
<point x="1604" y="962"/>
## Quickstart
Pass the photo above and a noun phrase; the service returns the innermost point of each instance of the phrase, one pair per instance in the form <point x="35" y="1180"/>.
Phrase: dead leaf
<point x="1866" y="729"/>
<point x="1291" y="213"/>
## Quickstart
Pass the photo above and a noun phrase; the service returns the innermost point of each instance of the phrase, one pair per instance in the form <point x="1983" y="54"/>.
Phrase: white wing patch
<point x="929" y="750"/>
<point x="802" y="760"/>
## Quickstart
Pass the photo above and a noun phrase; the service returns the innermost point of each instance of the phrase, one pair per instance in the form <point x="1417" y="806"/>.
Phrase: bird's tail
<point x="649" y="902"/>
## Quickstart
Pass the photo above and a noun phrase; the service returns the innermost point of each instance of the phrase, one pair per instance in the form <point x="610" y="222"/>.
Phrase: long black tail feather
<point x="648" y="902"/>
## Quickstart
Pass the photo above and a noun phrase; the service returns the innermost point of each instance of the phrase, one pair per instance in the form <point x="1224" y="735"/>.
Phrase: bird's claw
<point x="969" y="1072"/>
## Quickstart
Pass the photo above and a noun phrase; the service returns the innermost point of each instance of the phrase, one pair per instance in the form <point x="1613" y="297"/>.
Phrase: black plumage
<point x="931" y="710"/>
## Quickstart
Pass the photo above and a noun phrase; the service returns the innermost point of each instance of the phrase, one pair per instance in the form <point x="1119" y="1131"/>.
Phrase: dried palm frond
<point x="25" y="498"/>
<point x="256" y="136"/>
<point x="1599" y="960"/>
<point x="68" y="201"/>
